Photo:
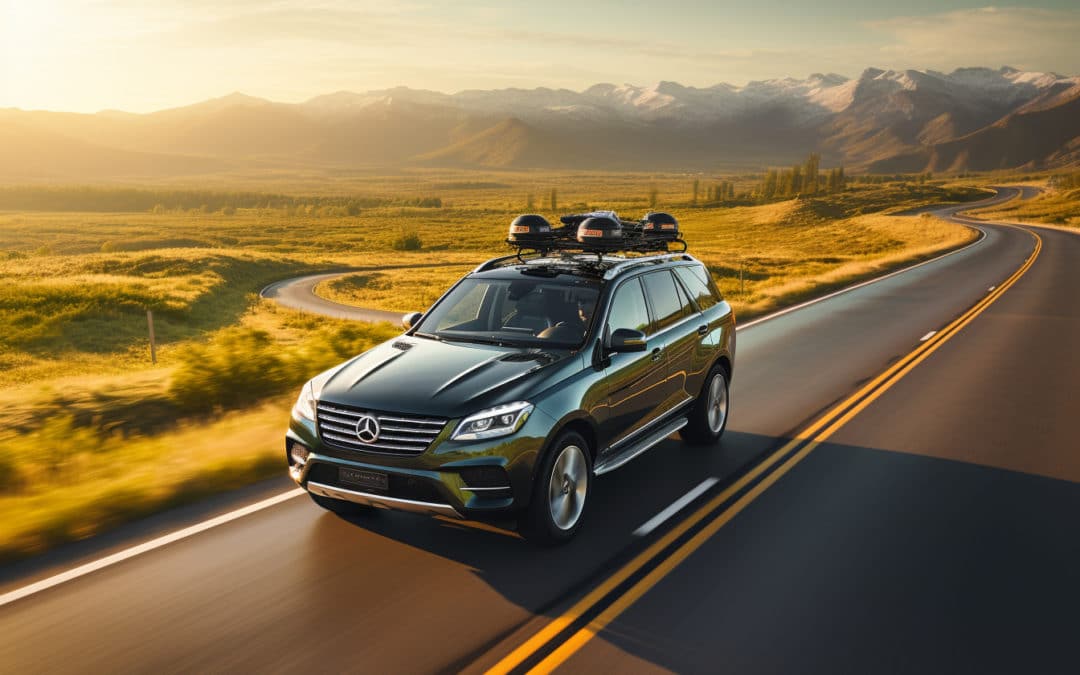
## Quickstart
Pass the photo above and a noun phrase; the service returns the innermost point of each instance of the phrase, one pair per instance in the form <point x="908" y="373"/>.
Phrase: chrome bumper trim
<point x="383" y="502"/>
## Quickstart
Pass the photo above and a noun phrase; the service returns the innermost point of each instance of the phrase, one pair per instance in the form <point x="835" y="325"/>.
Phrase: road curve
<point x="935" y="531"/>
<point x="299" y="293"/>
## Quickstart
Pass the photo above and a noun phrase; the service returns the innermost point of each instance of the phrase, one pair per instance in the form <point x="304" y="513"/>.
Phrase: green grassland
<point x="94" y="434"/>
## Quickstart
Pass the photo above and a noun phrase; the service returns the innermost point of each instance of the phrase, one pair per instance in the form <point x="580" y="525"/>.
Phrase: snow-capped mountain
<point x="860" y="121"/>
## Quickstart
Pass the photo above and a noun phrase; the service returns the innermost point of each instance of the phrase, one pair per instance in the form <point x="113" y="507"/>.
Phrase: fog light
<point x="299" y="454"/>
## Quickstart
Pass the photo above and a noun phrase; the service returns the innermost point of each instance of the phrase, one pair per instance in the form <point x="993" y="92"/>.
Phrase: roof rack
<point x="607" y="268"/>
<point x="596" y="233"/>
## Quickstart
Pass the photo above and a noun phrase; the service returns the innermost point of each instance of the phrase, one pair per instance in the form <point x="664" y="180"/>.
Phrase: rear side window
<point x="667" y="301"/>
<point x="628" y="308"/>
<point x="696" y="281"/>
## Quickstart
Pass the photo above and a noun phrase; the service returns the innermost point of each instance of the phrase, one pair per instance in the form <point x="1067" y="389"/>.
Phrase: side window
<point x="696" y="281"/>
<point x="628" y="308"/>
<point x="664" y="297"/>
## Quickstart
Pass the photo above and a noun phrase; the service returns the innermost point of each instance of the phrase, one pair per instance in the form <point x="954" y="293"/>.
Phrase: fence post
<point x="153" y="346"/>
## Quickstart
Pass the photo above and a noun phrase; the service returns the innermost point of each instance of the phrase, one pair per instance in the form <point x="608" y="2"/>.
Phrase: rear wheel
<point x="708" y="417"/>
<point x="340" y="506"/>
<point x="563" y="483"/>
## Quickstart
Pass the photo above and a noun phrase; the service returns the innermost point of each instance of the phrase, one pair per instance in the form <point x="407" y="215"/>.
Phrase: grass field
<point x="1053" y="207"/>
<point x="94" y="434"/>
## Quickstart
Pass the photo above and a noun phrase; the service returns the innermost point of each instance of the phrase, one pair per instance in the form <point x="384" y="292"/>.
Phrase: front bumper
<point x="382" y="501"/>
<point x="443" y="480"/>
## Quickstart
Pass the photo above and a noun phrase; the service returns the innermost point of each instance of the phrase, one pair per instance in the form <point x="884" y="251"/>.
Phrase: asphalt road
<point x="299" y="293"/>
<point x="935" y="531"/>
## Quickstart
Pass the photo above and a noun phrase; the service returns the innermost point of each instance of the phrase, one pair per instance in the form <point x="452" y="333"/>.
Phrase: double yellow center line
<point x="653" y="557"/>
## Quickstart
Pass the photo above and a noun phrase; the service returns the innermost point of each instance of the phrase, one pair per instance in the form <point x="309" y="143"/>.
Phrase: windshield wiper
<point x="479" y="340"/>
<point x="430" y="336"/>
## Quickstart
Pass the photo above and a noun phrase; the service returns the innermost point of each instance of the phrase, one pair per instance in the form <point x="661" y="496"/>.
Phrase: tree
<point x="554" y="200"/>
<point x="697" y="186"/>
<point x="810" y="179"/>
<point x="771" y="184"/>
<point x="653" y="194"/>
<point x="530" y="203"/>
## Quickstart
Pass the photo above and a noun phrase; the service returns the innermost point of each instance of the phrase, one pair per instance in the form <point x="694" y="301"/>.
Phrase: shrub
<point x="243" y="366"/>
<point x="237" y="368"/>
<point x="408" y="241"/>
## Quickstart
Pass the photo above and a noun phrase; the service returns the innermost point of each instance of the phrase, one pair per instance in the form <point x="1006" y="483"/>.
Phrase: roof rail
<point x="494" y="262"/>
<point x="618" y="268"/>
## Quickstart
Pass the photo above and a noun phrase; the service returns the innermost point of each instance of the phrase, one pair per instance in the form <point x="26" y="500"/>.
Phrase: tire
<point x="709" y="414"/>
<point x="558" y="503"/>
<point x="340" y="506"/>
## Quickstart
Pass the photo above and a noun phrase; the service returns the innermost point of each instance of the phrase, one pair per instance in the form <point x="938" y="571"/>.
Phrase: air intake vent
<point x="486" y="481"/>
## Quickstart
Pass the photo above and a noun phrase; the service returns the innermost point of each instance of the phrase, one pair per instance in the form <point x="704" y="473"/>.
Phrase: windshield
<point x="553" y="312"/>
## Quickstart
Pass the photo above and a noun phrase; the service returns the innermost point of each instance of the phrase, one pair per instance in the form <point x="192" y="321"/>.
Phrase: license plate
<point x="361" y="478"/>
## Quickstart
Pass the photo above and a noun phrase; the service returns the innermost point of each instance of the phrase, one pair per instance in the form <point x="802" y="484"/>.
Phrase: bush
<point x="241" y="367"/>
<point x="236" y="369"/>
<point x="408" y="241"/>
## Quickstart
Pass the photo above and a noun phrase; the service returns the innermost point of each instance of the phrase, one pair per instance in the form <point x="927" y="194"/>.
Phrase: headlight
<point x="501" y="420"/>
<point x="305" y="404"/>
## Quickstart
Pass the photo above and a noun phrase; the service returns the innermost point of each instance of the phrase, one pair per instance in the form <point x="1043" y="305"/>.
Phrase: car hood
<point x="447" y="379"/>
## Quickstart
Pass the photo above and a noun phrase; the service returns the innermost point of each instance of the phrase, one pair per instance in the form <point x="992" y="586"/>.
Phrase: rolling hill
<point x="972" y="118"/>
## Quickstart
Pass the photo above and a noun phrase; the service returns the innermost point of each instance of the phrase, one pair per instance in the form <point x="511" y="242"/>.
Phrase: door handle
<point x="703" y="329"/>
<point x="656" y="354"/>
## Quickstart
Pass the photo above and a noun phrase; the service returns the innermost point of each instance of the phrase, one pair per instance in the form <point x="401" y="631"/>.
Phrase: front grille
<point x="399" y="434"/>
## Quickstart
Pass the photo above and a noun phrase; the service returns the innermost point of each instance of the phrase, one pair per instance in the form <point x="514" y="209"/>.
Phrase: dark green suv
<point x="529" y="377"/>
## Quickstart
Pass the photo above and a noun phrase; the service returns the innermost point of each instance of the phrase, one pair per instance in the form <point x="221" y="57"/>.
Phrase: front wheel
<point x="563" y="483"/>
<point x="708" y="417"/>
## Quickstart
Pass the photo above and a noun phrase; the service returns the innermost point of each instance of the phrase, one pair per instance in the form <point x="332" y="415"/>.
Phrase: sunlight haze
<point x="116" y="54"/>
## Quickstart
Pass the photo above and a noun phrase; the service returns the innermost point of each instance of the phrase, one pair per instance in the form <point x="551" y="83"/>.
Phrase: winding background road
<point x="935" y="531"/>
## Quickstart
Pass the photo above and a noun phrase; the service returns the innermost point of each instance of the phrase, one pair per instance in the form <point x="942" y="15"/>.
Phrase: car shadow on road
<point x="539" y="578"/>
<point x="856" y="558"/>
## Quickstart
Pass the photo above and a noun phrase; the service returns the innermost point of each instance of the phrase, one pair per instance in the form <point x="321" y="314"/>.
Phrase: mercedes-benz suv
<point x="527" y="379"/>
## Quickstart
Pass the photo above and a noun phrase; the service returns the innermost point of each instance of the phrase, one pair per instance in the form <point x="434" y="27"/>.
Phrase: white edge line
<point x="676" y="506"/>
<point x="128" y="553"/>
<point x="928" y="336"/>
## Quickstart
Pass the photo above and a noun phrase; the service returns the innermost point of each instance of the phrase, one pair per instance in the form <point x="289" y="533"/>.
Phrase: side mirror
<point x="627" y="340"/>
<point x="410" y="319"/>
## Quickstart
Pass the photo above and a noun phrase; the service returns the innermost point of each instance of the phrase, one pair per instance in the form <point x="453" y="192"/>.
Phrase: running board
<point x="641" y="446"/>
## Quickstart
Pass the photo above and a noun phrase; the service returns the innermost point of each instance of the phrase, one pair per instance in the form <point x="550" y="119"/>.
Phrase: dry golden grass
<point x="96" y="483"/>
<point x="1053" y="207"/>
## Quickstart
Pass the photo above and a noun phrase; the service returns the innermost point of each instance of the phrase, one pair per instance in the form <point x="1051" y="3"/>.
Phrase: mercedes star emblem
<point x="367" y="429"/>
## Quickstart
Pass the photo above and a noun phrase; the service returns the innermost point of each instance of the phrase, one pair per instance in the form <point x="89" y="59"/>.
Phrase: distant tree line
<point x="801" y="179"/>
<point x="78" y="198"/>
<point x="721" y="192"/>
<point x="878" y="178"/>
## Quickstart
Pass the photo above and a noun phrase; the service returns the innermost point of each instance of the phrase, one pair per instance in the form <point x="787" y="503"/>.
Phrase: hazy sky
<point x="87" y="55"/>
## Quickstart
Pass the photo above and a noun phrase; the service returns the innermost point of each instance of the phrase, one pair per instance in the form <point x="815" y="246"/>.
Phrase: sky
<point x="90" y="55"/>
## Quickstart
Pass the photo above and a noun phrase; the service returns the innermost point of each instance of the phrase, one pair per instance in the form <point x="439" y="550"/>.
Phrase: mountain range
<point x="882" y="121"/>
